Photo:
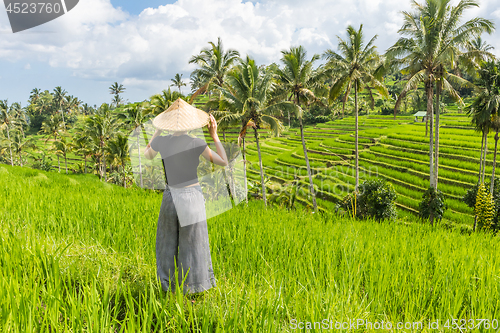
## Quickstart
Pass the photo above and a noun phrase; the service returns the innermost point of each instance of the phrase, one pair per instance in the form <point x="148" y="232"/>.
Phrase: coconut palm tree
<point x="62" y="146"/>
<point x="495" y="124"/>
<point x="485" y="106"/>
<point x="100" y="128"/>
<point x="160" y="102"/>
<point x="357" y="66"/>
<point x="52" y="128"/>
<point x="118" y="150"/>
<point x="83" y="145"/>
<point x="20" y="144"/>
<point x="7" y="121"/>
<point x="177" y="82"/>
<point x="20" y="116"/>
<point x="116" y="89"/>
<point x="434" y="39"/>
<point x="246" y="92"/>
<point x="476" y="51"/>
<point x="135" y="115"/>
<point x="195" y="82"/>
<point x="298" y="79"/>
<point x="60" y="101"/>
<point x="214" y="64"/>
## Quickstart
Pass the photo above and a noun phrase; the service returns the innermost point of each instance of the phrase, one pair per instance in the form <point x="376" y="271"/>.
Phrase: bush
<point x="484" y="208"/>
<point x="42" y="163"/>
<point x="470" y="199"/>
<point x="432" y="204"/>
<point x="376" y="199"/>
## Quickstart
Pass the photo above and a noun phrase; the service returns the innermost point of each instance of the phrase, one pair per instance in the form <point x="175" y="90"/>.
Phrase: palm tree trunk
<point x="431" y="138"/>
<point x="481" y="159"/>
<point x="58" y="163"/>
<point x="261" y="168"/>
<point x="104" y="163"/>
<point x="245" y="170"/>
<point x="139" y="151"/>
<point x="99" y="169"/>
<point x="64" y="123"/>
<point x="343" y="104"/>
<point x="66" y="163"/>
<point x="356" y="134"/>
<point x="224" y="135"/>
<point x="484" y="155"/>
<point x="436" y="159"/>
<point x="20" y="160"/>
<point x="123" y="170"/>
<point x="311" y="186"/>
<point x="494" y="163"/>
<point x="10" y="146"/>
<point x="288" y="119"/>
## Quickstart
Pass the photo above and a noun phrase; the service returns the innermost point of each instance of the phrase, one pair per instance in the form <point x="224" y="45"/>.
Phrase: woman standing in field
<point x="182" y="234"/>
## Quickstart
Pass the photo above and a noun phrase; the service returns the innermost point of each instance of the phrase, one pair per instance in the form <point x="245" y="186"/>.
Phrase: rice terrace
<point x="371" y="200"/>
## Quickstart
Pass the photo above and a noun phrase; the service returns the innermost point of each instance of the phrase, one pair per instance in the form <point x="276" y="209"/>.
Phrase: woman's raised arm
<point x="220" y="157"/>
<point x="150" y="153"/>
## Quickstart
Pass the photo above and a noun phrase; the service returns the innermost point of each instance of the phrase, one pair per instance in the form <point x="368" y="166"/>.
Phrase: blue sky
<point x="135" y="7"/>
<point x="143" y="44"/>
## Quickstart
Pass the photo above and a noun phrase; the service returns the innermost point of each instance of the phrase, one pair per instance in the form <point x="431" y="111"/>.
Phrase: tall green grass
<point x="78" y="255"/>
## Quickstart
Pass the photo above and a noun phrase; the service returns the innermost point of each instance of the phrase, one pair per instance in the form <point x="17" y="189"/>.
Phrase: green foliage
<point x="285" y="195"/>
<point x="432" y="204"/>
<point x="484" y="208"/>
<point x="43" y="162"/>
<point x="376" y="199"/>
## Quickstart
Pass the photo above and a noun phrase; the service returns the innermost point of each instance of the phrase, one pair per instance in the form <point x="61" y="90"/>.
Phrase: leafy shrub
<point x="432" y="204"/>
<point x="376" y="199"/>
<point x="470" y="199"/>
<point x="42" y="163"/>
<point x="484" y="208"/>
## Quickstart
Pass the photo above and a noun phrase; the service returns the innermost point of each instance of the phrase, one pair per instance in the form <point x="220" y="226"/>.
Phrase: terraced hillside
<point x="396" y="150"/>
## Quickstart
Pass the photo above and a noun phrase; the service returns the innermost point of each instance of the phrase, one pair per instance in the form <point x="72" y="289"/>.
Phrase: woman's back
<point x="181" y="156"/>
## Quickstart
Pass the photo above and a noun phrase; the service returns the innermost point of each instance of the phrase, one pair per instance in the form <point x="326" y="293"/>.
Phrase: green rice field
<point x="78" y="255"/>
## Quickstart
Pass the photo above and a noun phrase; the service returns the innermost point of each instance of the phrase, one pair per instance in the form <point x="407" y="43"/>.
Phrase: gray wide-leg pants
<point x="187" y="247"/>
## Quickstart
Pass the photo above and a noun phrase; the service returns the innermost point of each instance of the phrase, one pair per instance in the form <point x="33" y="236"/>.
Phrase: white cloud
<point x="27" y="66"/>
<point x="98" y="41"/>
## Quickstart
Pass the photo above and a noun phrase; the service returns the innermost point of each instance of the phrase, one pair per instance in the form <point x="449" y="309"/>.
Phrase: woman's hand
<point x="212" y="127"/>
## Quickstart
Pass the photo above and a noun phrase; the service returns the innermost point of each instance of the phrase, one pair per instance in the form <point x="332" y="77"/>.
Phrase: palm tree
<point x="60" y="101"/>
<point x="196" y="82"/>
<point x="87" y="109"/>
<point x="435" y="40"/>
<point x="19" y="144"/>
<point x="160" y="102"/>
<point x="177" y="82"/>
<point x="484" y="107"/>
<point x="246" y="93"/>
<point x="63" y="146"/>
<point x="118" y="149"/>
<point x="72" y="104"/>
<point x="20" y="116"/>
<point x="214" y="64"/>
<point x="52" y="128"/>
<point x="83" y="145"/>
<point x="135" y="116"/>
<point x="116" y="89"/>
<point x="476" y="51"/>
<point x="101" y="127"/>
<point x="357" y="66"/>
<point x="7" y="120"/>
<point x="495" y="122"/>
<point x="298" y="79"/>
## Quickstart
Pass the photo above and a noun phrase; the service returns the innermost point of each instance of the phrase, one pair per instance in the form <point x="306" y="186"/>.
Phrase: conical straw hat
<point x="181" y="116"/>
